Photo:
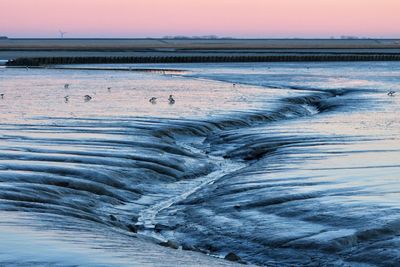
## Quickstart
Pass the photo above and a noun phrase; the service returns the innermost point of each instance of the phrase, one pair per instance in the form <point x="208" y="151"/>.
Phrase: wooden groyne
<point x="43" y="61"/>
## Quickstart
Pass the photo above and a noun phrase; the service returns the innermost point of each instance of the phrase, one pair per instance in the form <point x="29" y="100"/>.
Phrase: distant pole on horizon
<point x="62" y="34"/>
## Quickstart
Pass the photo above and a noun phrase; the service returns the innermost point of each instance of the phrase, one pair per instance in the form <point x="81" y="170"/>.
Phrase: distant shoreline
<point x="196" y="44"/>
<point x="198" y="50"/>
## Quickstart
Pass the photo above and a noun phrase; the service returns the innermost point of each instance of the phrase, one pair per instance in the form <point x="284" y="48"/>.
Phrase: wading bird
<point x="171" y="100"/>
<point x="391" y="93"/>
<point x="153" y="100"/>
<point x="87" y="98"/>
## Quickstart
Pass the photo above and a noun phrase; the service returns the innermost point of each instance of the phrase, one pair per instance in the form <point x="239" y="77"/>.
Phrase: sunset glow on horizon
<point x="236" y="18"/>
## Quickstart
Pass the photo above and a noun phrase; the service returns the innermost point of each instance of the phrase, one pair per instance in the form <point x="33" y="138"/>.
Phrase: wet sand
<point x="283" y="164"/>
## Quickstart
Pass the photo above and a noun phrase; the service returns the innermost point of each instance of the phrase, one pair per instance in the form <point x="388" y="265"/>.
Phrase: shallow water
<point x="280" y="163"/>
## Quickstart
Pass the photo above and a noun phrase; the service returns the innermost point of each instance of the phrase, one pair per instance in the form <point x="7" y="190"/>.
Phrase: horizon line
<point x="348" y="38"/>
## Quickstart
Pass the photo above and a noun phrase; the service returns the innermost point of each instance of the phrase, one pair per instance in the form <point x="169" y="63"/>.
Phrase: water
<point x="283" y="164"/>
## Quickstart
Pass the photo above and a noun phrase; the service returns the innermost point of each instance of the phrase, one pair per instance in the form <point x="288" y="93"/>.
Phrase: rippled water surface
<point x="282" y="164"/>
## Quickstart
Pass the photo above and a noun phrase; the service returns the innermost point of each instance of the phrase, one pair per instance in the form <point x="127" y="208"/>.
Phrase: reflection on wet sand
<point x="295" y="165"/>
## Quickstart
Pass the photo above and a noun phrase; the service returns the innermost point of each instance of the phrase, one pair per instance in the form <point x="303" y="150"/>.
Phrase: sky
<point x="233" y="18"/>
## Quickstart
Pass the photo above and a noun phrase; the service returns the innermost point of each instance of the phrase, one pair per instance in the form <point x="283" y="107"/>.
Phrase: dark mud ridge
<point x="281" y="57"/>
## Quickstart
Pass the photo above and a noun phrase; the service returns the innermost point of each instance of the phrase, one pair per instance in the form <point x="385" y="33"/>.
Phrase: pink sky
<point x="239" y="18"/>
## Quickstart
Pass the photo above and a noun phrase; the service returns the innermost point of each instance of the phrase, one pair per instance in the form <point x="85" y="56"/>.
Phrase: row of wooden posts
<point x="42" y="61"/>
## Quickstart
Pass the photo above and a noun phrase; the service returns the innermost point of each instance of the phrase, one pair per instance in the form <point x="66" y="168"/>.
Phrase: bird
<point x="66" y="86"/>
<point x="2" y="96"/>
<point x="391" y="93"/>
<point x="87" y="98"/>
<point x="66" y="98"/>
<point x="109" y="89"/>
<point x="153" y="100"/>
<point x="171" y="100"/>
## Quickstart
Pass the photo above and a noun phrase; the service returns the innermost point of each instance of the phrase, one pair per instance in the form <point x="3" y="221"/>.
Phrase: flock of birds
<point x="171" y="100"/>
<point x="87" y="98"/>
<point x="152" y="100"/>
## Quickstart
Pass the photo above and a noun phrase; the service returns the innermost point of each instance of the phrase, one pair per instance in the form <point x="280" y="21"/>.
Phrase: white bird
<point x="66" y="86"/>
<point x="87" y="98"/>
<point x="153" y="100"/>
<point x="171" y="100"/>
<point x="391" y="93"/>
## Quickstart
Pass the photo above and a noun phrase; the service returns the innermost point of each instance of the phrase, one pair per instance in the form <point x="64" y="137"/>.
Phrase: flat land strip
<point x="197" y="50"/>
